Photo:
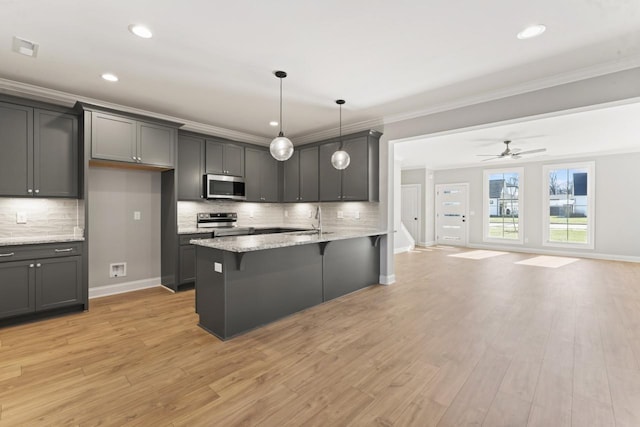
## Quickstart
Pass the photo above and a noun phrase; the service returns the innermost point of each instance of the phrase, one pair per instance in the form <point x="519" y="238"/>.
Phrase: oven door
<point x="224" y="187"/>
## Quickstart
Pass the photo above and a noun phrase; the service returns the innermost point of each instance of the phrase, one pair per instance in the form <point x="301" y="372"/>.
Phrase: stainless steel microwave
<point x="224" y="187"/>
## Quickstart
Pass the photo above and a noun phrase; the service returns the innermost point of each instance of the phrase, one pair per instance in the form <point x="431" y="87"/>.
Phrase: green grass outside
<point x="564" y="220"/>
<point x="568" y="236"/>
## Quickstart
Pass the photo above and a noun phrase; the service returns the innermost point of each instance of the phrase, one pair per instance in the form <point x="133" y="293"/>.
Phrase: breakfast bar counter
<point x="243" y="282"/>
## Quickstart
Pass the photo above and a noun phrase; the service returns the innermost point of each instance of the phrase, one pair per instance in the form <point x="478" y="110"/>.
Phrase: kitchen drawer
<point x="185" y="238"/>
<point x="28" y="252"/>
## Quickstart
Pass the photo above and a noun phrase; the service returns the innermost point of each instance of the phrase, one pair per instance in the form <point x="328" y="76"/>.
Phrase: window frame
<point x="485" y="206"/>
<point x="590" y="166"/>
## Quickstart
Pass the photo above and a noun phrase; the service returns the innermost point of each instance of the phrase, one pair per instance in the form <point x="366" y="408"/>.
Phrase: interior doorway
<point x="451" y="214"/>
<point x="410" y="213"/>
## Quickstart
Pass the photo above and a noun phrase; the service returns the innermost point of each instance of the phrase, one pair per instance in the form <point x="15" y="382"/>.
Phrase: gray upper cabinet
<point x="301" y="176"/>
<point x="224" y="158"/>
<point x="190" y="167"/>
<point x="39" y="152"/>
<point x="124" y="139"/>
<point x="55" y="154"/>
<point x="261" y="180"/>
<point x="330" y="177"/>
<point x="359" y="181"/>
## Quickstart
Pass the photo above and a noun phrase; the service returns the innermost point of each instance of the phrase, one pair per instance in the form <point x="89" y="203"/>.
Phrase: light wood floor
<point x="453" y="342"/>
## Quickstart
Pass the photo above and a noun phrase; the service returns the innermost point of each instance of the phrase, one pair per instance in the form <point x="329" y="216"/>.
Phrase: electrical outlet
<point x="340" y="215"/>
<point x="137" y="216"/>
<point x="250" y="214"/>
<point x="118" y="269"/>
<point x="217" y="267"/>
<point x="356" y="215"/>
<point x="21" y="217"/>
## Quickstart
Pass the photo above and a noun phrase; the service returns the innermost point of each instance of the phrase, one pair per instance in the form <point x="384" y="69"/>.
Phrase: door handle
<point x="9" y="254"/>
<point x="63" y="250"/>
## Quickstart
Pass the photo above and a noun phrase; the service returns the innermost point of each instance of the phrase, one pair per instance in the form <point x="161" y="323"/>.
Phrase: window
<point x="503" y="205"/>
<point x="569" y="205"/>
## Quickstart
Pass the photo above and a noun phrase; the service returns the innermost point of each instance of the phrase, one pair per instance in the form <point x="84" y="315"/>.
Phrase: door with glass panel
<point x="451" y="214"/>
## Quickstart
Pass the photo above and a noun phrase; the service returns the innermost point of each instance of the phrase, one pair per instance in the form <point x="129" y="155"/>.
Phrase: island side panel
<point x="273" y="284"/>
<point x="210" y="290"/>
<point x="349" y="265"/>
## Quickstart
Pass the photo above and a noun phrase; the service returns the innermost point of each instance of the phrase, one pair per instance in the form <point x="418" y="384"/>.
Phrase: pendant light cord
<point x="340" y="127"/>
<point x="281" y="134"/>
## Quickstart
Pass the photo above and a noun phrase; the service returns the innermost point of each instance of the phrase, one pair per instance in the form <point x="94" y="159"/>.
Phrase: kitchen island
<point x="243" y="282"/>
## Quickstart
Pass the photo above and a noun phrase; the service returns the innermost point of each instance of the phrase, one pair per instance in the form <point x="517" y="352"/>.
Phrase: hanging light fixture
<point x="281" y="147"/>
<point x="340" y="159"/>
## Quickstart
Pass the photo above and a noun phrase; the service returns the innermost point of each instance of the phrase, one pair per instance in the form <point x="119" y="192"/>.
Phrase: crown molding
<point x="39" y="93"/>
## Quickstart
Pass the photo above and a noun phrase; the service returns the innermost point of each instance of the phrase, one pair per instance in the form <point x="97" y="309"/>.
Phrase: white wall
<point x="617" y="235"/>
<point x="114" y="195"/>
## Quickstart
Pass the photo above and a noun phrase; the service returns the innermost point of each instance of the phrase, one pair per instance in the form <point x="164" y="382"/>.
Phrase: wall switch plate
<point x="217" y="267"/>
<point x="21" y="217"/>
<point x="137" y="215"/>
<point x="250" y="214"/>
<point x="356" y="215"/>
<point x="118" y="269"/>
<point x="340" y="215"/>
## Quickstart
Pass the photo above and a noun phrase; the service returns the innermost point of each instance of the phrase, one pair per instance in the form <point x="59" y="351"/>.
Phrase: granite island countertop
<point x="280" y="240"/>
<point x="35" y="240"/>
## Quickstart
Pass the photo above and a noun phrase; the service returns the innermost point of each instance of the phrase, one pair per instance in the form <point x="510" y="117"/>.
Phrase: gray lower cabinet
<point x="39" y="152"/>
<point x="191" y="167"/>
<point x="224" y="158"/>
<point x="187" y="264"/>
<point x="124" y="139"/>
<point x="301" y="176"/>
<point x="40" y="284"/>
<point x="359" y="181"/>
<point x="261" y="176"/>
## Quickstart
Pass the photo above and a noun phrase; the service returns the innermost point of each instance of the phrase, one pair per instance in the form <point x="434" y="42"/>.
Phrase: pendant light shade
<point x="340" y="159"/>
<point x="281" y="147"/>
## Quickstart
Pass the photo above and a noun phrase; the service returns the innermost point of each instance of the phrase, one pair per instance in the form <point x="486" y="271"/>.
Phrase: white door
<point x="451" y="214"/>
<point x="410" y="210"/>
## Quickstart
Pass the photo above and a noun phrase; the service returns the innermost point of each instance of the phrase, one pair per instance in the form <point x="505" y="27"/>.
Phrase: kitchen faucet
<point x="319" y="218"/>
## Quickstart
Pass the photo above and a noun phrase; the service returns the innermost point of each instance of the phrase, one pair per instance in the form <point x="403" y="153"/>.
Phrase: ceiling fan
<point x="513" y="153"/>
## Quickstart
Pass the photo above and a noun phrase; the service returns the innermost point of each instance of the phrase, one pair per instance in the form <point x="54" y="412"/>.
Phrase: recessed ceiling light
<point x="273" y="123"/>
<point x="110" y="77"/>
<point x="531" y="31"/>
<point x="141" y="31"/>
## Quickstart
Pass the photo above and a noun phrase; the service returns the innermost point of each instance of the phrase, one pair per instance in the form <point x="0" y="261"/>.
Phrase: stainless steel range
<point x="222" y="224"/>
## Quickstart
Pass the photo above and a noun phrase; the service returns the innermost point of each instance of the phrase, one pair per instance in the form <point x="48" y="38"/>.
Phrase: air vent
<point x="25" y="47"/>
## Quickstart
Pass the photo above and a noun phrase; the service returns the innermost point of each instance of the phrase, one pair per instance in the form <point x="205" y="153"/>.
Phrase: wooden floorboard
<point x="454" y="342"/>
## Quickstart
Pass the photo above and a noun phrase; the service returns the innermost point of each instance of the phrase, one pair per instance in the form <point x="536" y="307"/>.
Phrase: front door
<point x="451" y="214"/>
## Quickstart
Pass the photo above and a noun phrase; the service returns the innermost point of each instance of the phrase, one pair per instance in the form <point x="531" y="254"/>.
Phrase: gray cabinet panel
<point x="17" y="288"/>
<point x="233" y="160"/>
<point x="269" y="178"/>
<point x="253" y="175"/>
<point x="156" y="144"/>
<point x="16" y="140"/>
<point x="330" y="177"/>
<point x="214" y="157"/>
<point x="58" y="282"/>
<point x="349" y="265"/>
<point x="55" y="154"/>
<point x="113" y="137"/>
<point x="190" y="168"/>
<point x="187" y="264"/>
<point x="309" y="174"/>
<point x="291" y="178"/>
<point x="355" y="178"/>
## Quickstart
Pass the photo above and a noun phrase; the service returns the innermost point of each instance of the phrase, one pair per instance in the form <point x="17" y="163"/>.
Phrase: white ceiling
<point x="598" y="131"/>
<point x="211" y="61"/>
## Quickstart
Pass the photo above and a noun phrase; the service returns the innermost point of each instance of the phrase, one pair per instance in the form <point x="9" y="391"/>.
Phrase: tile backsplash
<point x="290" y="214"/>
<point x="48" y="217"/>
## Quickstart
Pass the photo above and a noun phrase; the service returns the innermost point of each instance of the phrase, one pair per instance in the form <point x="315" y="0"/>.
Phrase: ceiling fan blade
<point x="487" y="155"/>
<point x="494" y="158"/>
<point x="539" y="150"/>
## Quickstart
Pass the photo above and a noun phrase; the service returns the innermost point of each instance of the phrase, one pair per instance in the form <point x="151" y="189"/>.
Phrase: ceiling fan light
<point x="281" y="148"/>
<point x="340" y="159"/>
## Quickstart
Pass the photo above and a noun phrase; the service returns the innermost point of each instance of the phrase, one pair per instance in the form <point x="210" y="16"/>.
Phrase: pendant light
<point x="340" y="159"/>
<point x="281" y="147"/>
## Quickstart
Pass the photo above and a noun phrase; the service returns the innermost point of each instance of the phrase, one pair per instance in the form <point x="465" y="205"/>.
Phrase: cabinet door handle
<point x="29" y="191"/>
<point x="134" y="158"/>
<point x="38" y="265"/>
<point x="140" y="159"/>
<point x="63" y="250"/>
<point x="31" y="265"/>
<point x="37" y="191"/>
<point x="9" y="254"/>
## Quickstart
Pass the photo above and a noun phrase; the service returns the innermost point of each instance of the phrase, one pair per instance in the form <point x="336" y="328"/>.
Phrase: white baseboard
<point x="387" y="280"/>
<point x="136" y="285"/>
<point x="592" y="255"/>
<point x="403" y="249"/>
<point x="426" y="244"/>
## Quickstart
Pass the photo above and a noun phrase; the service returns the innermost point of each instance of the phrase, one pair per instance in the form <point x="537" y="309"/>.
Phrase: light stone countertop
<point x="280" y="240"/>
<point x="194" y="230"/>
<point x="34" y="240"/>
